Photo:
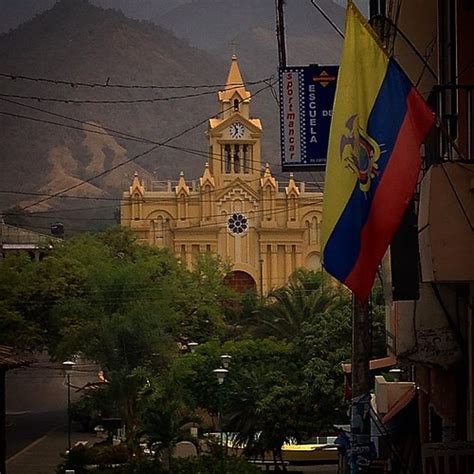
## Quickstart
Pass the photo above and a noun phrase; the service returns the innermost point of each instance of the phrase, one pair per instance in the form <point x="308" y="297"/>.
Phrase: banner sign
<point x="306" y="101"/>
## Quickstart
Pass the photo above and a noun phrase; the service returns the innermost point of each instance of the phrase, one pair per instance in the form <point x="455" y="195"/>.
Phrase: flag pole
<point x="360" y="400"/>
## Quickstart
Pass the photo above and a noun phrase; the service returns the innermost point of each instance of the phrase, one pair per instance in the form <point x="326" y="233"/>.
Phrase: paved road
<point x="25" y="427"/>
<point x="43" y="455"/>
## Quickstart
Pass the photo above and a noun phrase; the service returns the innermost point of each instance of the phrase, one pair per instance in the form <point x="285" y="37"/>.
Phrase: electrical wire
<point x="114" y="133"/>
<point x="458" y="199"/>
<point x="133" y="158"/>
<point x="327" y="18"/>
<point x="172" y="200"/>
<point x="108" y="85"/>
<point x="117" y="133"/>
<point x="50" y="122"/>
<point x="120" y="134"/>
<point x="113" y="101"/>
<point x="175" y="219"/>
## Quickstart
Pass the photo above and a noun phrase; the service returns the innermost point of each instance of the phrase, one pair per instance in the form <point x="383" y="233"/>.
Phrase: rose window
<point x="237" y="224"/>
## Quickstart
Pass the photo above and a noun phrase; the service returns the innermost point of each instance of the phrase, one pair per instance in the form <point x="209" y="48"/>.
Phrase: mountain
<point x="13" y="13"/>
<point x="230" y="18"/>
<point x="78" y="41"/>
<point x="19" y="11"/>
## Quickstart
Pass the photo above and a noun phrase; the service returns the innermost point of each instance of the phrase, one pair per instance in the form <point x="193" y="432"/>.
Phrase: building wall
<point x="434" y="333"/>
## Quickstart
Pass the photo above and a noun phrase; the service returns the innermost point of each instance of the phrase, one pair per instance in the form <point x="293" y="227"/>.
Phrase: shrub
<point x="212" y="465"/>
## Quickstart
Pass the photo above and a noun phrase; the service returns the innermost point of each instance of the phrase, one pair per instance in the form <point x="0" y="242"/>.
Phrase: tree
<point x="306" y="294"/>
<point x="116" y="302"/>
<point x="262" y="397"/>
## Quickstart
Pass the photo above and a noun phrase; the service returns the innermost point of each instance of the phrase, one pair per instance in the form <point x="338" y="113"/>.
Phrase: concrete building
<point x="17" y="239"/>
<point x="237" y="208"/>
<point x="430" y="319"/>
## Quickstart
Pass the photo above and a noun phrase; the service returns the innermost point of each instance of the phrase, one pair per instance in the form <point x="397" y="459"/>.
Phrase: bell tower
<point x="234" y="137"/>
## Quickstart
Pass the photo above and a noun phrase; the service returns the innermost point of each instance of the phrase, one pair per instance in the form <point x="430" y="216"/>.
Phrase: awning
<point x="374" y="364"/>
<point x="400" y="404"/>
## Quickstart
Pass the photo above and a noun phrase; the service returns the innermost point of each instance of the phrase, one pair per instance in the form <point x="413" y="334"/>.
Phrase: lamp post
<point x="225" y="359"/>
<point x="192" y="346"/>
<point x="221" y="375"/>
<point x="68" y="366"/>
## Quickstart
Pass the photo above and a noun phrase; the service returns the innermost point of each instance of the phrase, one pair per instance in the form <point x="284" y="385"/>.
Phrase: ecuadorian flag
<point x="379" y="122"/>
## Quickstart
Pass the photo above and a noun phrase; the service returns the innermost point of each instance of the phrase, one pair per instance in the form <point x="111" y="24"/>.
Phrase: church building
<point x="236" y="209"/>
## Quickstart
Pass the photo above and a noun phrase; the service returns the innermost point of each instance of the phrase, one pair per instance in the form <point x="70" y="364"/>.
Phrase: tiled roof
<point x="9" y="359"/>
<point x="16" y="235"/>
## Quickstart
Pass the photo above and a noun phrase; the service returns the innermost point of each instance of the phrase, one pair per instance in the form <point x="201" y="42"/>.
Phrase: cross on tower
<point x="234" y="44"/>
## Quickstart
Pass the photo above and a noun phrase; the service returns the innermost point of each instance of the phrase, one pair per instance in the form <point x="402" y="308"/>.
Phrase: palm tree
<point x="307" y="293"/>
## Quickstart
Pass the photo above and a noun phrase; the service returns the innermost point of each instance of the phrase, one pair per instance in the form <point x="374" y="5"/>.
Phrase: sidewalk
<point x="43" y="455"/>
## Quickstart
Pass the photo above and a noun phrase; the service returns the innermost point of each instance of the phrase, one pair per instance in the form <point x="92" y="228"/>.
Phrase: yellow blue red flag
<point x="379" y="122"/>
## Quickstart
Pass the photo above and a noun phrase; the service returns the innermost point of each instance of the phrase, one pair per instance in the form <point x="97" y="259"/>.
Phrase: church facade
<point x="237" y="208"/>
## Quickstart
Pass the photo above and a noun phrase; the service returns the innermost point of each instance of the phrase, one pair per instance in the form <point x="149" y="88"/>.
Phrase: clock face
<point x="236" y="130"/>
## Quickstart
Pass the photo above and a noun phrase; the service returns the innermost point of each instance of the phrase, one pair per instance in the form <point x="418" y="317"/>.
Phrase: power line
<point x="114" y="101"/>
<point x="327" y="18"/>
<point x="61" y="194"/>
<point x="50" y="122"/>
<point x="199" y="225"/>
<point x="75" y="218"/>
<point x="114" y="132"/>
<point x="106" y="171"/>
<point x="25" y="193"/>
<point x="108" y="85"/>
<point x="143" y="201"/>
<point x="139" y="155"/>
<point x="121" y="134"/>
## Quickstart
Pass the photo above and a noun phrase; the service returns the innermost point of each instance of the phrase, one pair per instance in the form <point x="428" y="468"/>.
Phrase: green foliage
<point x="199" y="465"/>
<point x="103" y="455"/>
<point x="132" y="309"/>
<point x="118" y="303"/>
<point x="212" y="465"/>
<point x="90" y="409"/>
<point x="306" y="294"/>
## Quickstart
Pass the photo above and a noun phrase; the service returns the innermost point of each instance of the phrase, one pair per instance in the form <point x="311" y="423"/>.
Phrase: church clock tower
<point x="236" y="209"/>
<point x="234" y="137"/>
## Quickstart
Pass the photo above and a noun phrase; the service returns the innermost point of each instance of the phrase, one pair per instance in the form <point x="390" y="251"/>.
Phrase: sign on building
<point x="306" y="101"/>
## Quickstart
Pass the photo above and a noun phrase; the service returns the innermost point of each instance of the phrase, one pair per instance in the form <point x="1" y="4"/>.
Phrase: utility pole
<point x="362" y="348"/>
<point x="360" y="405"/>
<point x="280" y="27"/>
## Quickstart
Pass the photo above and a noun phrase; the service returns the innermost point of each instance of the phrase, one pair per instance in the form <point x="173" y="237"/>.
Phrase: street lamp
<point x="395" y="373"/>
<point x="225" y="359"/>
<point x="221" y="375"/>
<point x="192" y="346"/>
<point x="68" y="366"/>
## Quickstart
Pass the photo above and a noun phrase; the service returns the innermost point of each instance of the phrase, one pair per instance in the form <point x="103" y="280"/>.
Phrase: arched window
<point x="315" y="230"/>
<point x="292" y="208"/>
<point x="236" y="105"/>
<point x="236" y="159"/>
<point x="246" y="158"/>
<point x="308" y="232"/>
<point x="182" y="207"/>
<point x="227" y="158"/>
